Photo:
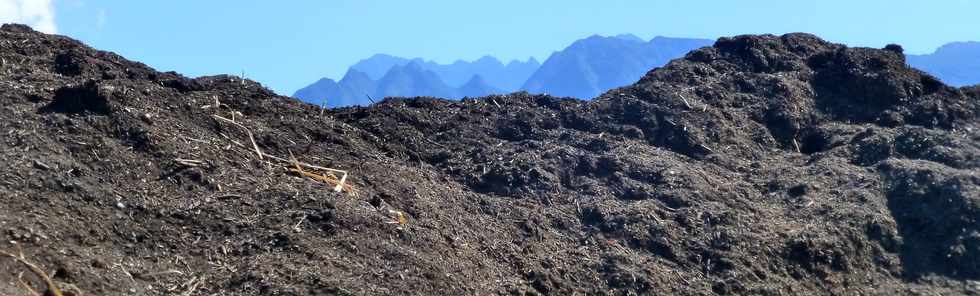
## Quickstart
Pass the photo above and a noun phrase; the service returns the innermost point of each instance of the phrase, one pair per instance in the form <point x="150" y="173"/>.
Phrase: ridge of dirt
<point x="763" y="165"/>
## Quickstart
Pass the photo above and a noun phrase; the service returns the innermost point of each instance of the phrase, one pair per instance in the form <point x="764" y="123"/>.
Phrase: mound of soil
<point x="764" y="165"/>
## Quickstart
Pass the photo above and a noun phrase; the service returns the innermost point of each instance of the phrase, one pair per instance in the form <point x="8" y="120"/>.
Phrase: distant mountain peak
<point x="325" y="80"/>
<point x="508" y="77"/>
<point x="354" y="73"/>
<point x="382" y="55"/>
<point x="593" y="65"/>
<point x="630" y="37"/>
<point x="476" y="79"/>
<point x="414" y="65"/>
<point x="956" y="63"/>
<point x="663" y="38"/>
<point x="477" y="87"/>
<point x="531" y="61"/>
<point x="961" y="47"/>
<point x="584" y="69"/>
<point x="595" y="37"/>
<point x="488" y="59"/>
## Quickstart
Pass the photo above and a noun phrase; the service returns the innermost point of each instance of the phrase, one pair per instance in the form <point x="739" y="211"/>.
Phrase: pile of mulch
<point x="764" y="165"/>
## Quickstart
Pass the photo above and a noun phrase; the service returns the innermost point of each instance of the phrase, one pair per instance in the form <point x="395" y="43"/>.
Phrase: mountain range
<point x="358" y="88"/>
<point x="956" y="63"/>
<point x="593" y="65"/>
<point x="506" y="77"/>
<point x="585" y="69"/>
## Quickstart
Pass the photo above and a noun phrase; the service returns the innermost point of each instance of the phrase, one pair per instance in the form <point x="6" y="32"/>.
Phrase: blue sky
<point x="289" y="44"/>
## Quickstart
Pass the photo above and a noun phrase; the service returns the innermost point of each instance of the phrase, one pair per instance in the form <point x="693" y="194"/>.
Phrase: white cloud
<point x="39" y="14"/>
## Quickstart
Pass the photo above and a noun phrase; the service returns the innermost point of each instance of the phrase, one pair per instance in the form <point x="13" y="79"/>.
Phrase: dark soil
<point x="765" y="165"/>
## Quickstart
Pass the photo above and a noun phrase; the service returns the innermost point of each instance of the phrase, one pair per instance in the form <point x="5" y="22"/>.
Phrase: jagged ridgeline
<point x="772" y="165"/>
<point x="585" y="69"/>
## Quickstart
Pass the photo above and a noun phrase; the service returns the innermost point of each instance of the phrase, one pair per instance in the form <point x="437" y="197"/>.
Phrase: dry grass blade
<point x="309" y="166"/>
<point x="193" y="284"/>
<point x="247" y="131"/>
<point x="685" y="101"/>
<point x="188" y="162"/>
<point x="340" y="184"/>
<point x="52" y="287"/>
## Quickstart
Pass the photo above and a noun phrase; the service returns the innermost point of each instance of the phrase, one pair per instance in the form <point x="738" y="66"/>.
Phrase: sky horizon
<point x="286" y="46"/>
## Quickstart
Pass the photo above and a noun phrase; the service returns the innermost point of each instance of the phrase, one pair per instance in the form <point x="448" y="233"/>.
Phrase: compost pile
<point x="764" y="165"/>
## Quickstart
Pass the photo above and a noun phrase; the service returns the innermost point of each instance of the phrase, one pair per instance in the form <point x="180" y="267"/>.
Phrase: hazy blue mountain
<point x="460" y="72"/>
<point x="630" y="37"/>
<point x="585" y="69"/>
<point x="514" y="74"/>
<point x="508" y="77"/>
<point x="409" y="80"/>
<point x="378" y="65"/>
<point x="318" y="91"/>
<point x="476" y="87"/>
<point x="666" y="48"/>
<point x="354" y="89"/>
<point x="412" y="80"/>
<point x="596" y="64"/>
<point x="351" y="90"/>
<point x="956" y="64"/>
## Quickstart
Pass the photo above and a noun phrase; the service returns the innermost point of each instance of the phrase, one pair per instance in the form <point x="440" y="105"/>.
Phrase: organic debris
<point x="399" y="219"/>
<point x="339" y="184"/>
<point x="763" y="165"/>
<point x="52" y="288"/>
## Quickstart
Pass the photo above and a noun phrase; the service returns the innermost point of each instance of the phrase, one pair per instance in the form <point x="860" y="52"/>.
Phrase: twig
<point x="193" y="283"/>
<point x="25" y="286"/>
<point x="232" y="141"/>
<point x="343" y="179"/>
<point x="52" y="288"/>
<point x="340" y="184"/>
<point x="127" y="273"/>
<point x="685" y="101"/>
<point x="41" y="165"/>
<point x="247" y="131"/>
<point x="188" y="162"/>
<point x="296" y="227"/>
<point x="310" y="166"/>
